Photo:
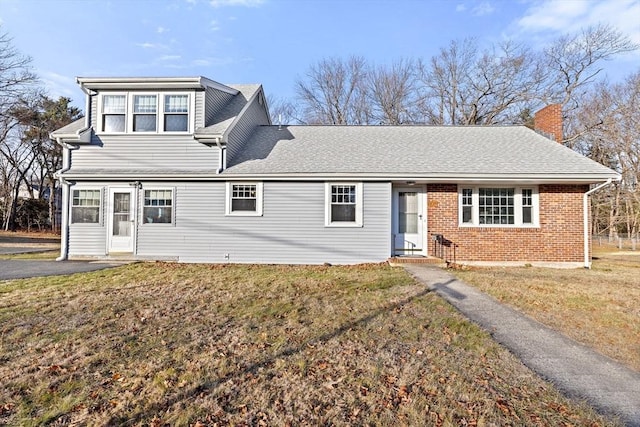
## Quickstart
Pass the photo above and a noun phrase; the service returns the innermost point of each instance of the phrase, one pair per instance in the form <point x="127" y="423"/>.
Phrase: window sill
<point x="511" y="226"/>
<point x="156" y="133"/>
<point x="241" y="214"/>
<point x="343" y="225"/>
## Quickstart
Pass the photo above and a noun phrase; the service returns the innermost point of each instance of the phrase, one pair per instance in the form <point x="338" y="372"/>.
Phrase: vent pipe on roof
<point x="548" y="121"/>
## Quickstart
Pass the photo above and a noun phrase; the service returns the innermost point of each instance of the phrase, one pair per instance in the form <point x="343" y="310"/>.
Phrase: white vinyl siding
<point x="498" y="206"/>
<point x="291" y="229"/>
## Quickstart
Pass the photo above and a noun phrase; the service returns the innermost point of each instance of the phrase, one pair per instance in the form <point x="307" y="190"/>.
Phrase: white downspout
<point x="66" y="165"/>
<point x="585" y="210"/>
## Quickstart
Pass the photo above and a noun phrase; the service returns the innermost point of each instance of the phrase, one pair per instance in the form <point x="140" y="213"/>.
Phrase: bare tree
<point x="464" y="85"/>
<point x="283" y="111"/>
<point x="16" y="83"/>
<point x="392" y="92"/>
<point x="576" y="59"/>
<point x="335" y="92"/>
<point x="611" y="135"/>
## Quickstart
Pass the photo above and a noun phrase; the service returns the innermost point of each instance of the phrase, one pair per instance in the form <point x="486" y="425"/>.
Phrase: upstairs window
<point x="176" y="113"/>
<point x="498" y="206"/>
<point x="343" y="205"/>
<point x="145" y="109"/>
<point x="114" y="113"/>
<point x="145" y="112"/>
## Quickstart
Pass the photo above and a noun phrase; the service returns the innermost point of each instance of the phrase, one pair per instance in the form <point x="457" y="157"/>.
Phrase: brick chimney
<point x="548" y="121"/>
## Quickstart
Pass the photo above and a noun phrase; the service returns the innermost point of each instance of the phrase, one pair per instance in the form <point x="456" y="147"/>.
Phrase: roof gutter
<point x="585" y="210"/>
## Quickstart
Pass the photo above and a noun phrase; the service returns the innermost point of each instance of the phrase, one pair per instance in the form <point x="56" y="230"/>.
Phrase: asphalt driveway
<point x="21" y="269"/>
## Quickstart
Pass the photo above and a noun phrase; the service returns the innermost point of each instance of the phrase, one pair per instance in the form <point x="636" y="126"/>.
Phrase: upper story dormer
<point x="162" y="121"/>
<point x="163" y="105"/>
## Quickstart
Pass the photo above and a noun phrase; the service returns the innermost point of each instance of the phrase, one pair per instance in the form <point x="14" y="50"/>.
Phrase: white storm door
<point x="408" y="221"/>
<point x="121" y="219"/>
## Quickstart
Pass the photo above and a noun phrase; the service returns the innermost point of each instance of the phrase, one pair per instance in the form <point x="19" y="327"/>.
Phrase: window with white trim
<point x="158" y="206"/>
<point x="493" y="206"/>
<point x="114" y="113"/>
<point x="343" y="204"/>
<point x="244" y="198"/>
<point x="145" y="108"/>
<point x="176" y="113"/>
<point x="85" y="206"/>
<point x="154" y="112"/>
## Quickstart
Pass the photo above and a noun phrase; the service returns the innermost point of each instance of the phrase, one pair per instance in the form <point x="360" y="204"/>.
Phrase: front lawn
<point x="179" y="344"/>
<point x="598" y="307"/>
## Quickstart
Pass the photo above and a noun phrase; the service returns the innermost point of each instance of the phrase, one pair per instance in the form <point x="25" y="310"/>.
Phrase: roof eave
<point x="171" y="83"/>
<point x="81" y="136"/>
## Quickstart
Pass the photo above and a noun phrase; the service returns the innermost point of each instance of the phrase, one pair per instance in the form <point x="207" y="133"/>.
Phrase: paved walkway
<point x="576" y="370"/>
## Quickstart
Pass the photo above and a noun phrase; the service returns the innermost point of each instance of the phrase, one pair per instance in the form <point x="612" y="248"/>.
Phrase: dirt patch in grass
<point x="598" y="307"/>
<point x="177" y="344"/>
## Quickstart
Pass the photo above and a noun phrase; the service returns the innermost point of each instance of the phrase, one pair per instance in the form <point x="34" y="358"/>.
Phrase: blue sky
<point x="273" y="42"/>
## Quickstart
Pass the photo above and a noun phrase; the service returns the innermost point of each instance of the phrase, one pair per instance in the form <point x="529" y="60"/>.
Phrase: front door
<point x="408" y="221"/>
<point x="121" y="219"/>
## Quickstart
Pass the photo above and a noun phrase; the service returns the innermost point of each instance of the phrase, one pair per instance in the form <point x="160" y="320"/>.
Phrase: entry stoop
<point x="400" y="260"/>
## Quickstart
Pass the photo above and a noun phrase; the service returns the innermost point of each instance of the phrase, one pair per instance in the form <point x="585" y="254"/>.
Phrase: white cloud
<point x="161" y="30"/>
<point x="213" y="25"/>
<point x="201" y="62"/>
<point x="169" y="57"/>
<point x="461" y="8"/>
<point x="147" y="45"/>
<point x="242" y="3"/>
<point x="57" y="84"/>
<point x="484" y="8"/>
<point x="561" y="16"/>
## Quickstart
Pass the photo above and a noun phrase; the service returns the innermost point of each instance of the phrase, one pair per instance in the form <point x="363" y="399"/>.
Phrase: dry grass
<point x="176" y="344"/>
<point x="42" y="256"/>
<point x="598" y="307"/>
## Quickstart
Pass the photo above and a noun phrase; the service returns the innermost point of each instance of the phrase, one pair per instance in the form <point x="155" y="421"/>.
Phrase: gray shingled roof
<point x="424" y="151"/>
<point x="71" y="128"/>
<point x="229" y="112"/>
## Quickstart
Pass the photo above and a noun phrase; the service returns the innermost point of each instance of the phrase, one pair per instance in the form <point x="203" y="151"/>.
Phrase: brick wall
<point x="549" y="121"/>
<point x="558" y="239"/>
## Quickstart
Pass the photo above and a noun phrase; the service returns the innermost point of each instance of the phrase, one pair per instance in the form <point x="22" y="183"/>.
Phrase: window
<point x="176" y="113"/>
<point x="344" y="204"/>
<point x="113" y="113"/>
<point x="498" y="206"/>
<point x="85" y="207"/>
<point x="158" y="207"/>
<point x="144" y="113"/>
<point x="244" y="198"/>
<point x="527" y="206"/>
<point x="467" y="203"/>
